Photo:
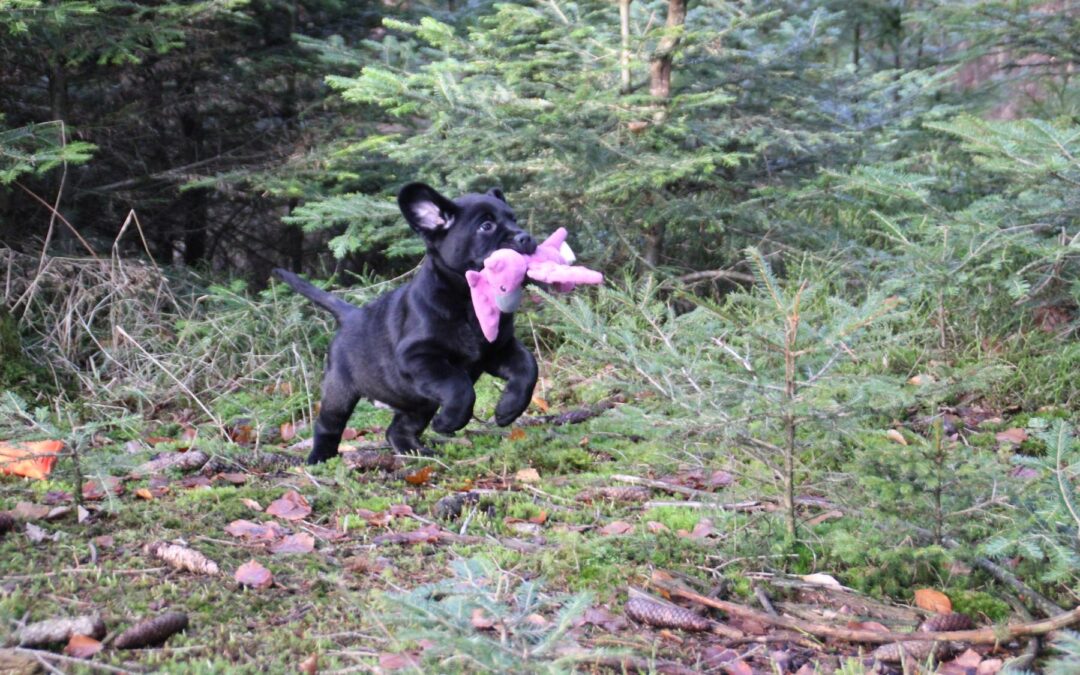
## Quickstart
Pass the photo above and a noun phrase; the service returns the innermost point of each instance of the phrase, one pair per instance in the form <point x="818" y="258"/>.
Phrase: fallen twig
<point x="80" y="570"/>
<point x="988" y="635"/>
<point x="85" y="663"/>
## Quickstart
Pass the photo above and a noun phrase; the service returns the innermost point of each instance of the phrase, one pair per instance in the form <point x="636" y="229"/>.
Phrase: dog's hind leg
<point x="338" y="401"/>
<point x="404" y="432"/>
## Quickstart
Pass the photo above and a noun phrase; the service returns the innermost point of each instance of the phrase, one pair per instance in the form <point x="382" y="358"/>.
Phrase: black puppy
<point x="419" y="348"/>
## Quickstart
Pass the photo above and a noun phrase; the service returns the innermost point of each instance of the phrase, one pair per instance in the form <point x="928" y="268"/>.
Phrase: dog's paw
<point x="447" y="424"/>
<point x="508" y="411"/>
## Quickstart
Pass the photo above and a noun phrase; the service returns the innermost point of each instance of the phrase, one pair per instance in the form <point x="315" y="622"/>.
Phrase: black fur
<point x="419" y="348"/>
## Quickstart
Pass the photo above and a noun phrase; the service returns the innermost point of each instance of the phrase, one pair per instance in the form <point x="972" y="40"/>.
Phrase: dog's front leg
<point x="517" y="366"/>
<point x="436" y="379"/>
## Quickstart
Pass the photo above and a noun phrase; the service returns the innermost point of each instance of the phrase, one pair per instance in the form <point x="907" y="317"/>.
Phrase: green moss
<point x="977" y="604"/>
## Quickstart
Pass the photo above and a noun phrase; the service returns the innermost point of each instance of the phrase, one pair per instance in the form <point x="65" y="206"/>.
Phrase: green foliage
<point x="1047" y="518"/>
<point x="38" y="149"/>
<point x="529" y="96"/>
<point x="444" y="614"/>
<point x="1066" y="654"/>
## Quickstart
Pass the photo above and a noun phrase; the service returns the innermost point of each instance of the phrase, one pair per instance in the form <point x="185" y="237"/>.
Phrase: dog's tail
<point x="333" y="304"/>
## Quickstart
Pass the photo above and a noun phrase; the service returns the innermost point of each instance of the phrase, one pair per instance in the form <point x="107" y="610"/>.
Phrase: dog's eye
<point x="487" y="226"/>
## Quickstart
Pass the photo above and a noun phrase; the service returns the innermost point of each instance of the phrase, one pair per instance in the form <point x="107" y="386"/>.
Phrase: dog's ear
<point x="497" y="194"/>
<point x="426" y="210"/>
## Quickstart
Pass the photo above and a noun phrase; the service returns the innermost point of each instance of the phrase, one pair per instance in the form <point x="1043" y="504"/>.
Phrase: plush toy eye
<point x="487" y="226"/>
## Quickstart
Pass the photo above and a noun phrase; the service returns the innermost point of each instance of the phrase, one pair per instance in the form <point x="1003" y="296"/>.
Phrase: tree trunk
<point x="660" y="68"/>
<point x="624" y="54"/>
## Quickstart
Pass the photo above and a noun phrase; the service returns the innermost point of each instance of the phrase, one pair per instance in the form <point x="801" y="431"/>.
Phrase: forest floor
<point x="509" y="550"/>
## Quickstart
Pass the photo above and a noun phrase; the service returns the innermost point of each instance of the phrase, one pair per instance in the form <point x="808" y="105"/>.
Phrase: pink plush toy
<point x="497" y="288"/>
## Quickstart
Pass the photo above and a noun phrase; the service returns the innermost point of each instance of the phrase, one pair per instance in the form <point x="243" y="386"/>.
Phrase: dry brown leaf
<point x="517" y="434"/>
<point x="896" y="437"/>
<point x="251" y="504"/>
<point x="616" y="527"/>
<point x="528" y="475"/>
<point x="1015" y="436"/>
<point x="933" y="601"/>
<point x="480" y="621"/>
<point x="389" y="661"/>
<point x="29" y="511"/>
<point x="702" y="529"/>
<point x="301" y="542"/>
<point x="232" y="478"/>
<point x="152" y="632"/>
<point x="144" y="493"/>
<point x="254" y="575"/>
<point x="539" y="518"/>
<point x="540" y="404"/>
<point x="291" y="506"/>
<point x="245" y="529"/>
<point x="183" y="558"/>
<point x="400" y="510"/>
<point x="656" y="527"/>
<point x="920" y="380"/>
<point x="82" y="646"/>
<point x="310" y="665"/>
<point x="96" y="489"/>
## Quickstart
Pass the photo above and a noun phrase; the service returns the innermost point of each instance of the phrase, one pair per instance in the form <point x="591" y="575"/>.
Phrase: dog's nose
<point x="524" y="243"/>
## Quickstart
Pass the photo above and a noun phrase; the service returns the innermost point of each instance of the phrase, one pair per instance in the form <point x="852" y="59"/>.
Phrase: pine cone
<point x="663" y="615"/>
<point x="184" y="461"/>
<point x="917" y="650"/>
<point x="943" y="622"/>
<point x="183" y="558"/>
<point x="55" y="631"/>
<point x="368" y="460"/>
<point x="629" y="493"/>
<point x="150" y="632"/>
<point x="7" y="523"/>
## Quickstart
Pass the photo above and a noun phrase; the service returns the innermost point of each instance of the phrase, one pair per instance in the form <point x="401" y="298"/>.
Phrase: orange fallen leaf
<point x="517" y="434"/>
<point x="656" y="527"/>
<point x="82" y="646"/>
<point x="143" y="493"/>
<point x="419" y="477"/>
<point x="540" y="404"/>
<point x="288" y="431"/>
<point x="539" y="518"/>
<point x="33" y="459"/>
<point x="933" y="601"/>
